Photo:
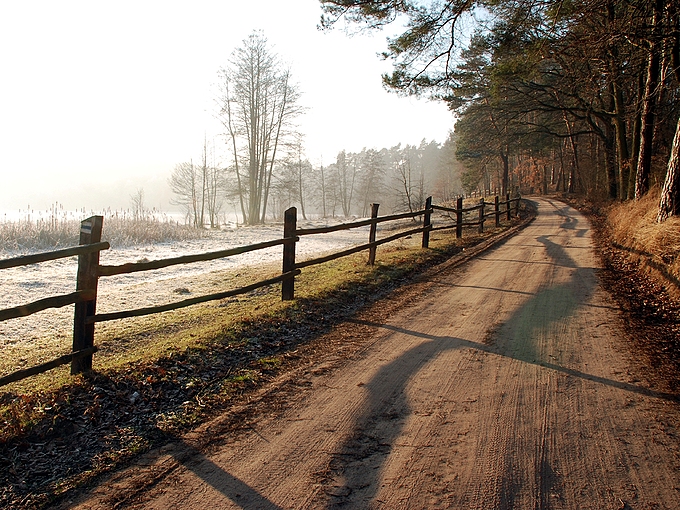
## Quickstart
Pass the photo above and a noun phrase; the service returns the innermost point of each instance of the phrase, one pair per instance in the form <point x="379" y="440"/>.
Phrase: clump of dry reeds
<point x="635" y="228"/>
<point x="25" y="235"/>
<point x="61" y="229"/>
<point x="130" y="231"/>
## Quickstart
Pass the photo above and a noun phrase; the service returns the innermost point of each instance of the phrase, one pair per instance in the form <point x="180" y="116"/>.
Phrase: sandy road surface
<point x="506" y="385"/>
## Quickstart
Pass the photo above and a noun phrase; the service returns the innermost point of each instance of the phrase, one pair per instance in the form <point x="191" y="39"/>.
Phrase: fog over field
<point x="100" y="100"/>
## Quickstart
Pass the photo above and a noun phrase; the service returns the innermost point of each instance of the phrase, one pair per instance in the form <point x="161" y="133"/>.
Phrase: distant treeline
<point x="399" y="178"/>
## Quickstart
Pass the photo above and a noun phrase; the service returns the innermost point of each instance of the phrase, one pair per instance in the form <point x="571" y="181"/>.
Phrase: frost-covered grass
<point x="332" y="284"/>
<point x="31" y="234"/>
<point x="38" y="338"/>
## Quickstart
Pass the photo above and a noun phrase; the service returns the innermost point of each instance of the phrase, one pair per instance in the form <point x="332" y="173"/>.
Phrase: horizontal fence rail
<point x="90" y="270"/>
<point x="39" y="369"/>
<point x="356" y="249"/>
<point x="356" y="224"/>
<point x="139" y="312"/>
<point x="44" y="304"/>
<point x="53" y="255"/>
<point x="186" y="259"/>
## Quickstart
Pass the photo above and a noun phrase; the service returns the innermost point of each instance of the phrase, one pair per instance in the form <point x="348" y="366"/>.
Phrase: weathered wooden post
<point x="372" y="234"/>
<point x="289" y="227"/>
<point x="459" y="218"/>
<point x="87" y="279"/>
<point x="427" y="222"/>
<point x="519" y="199"/>
<point x="497" y="210"/>
<point x="507" y="205"/>
<point x="481" y="215"/>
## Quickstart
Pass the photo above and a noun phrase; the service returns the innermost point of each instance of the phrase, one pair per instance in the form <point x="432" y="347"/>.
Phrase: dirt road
<point x="507" y="385"/>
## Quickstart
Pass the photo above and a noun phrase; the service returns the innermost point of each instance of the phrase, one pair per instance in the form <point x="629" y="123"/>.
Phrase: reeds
<point x="54" y="228"/>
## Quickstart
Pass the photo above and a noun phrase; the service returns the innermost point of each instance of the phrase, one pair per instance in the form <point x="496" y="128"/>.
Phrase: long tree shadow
<point x="455" y="342"/>
<point x="355" y="472"/>
<point x="550" y="305"/>
<point x="570" y="222"/>
<point x="354" y="477"/>
<point x="233" y="488"/>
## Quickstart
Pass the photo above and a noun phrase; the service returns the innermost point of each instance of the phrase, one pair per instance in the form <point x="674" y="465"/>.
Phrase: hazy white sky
<point x="100" y="98"/>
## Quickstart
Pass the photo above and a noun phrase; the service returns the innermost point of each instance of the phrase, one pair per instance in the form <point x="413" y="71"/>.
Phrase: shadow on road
<point x="236" y="490"/>
<point x="568" y="287"/>
<point x="355" y="472"/>
<point x="570" y="222"/>
<point x="354" y="476"/>
<point x="458" y="343"/>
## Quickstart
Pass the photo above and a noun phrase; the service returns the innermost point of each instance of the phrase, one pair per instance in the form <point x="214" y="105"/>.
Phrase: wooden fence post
<point x="481" y="216"/>
<point x="427" y="223"/>
<point x="372" y="234"/>
<point x="497" y="210"/>
<point x="87" y="279"/>
<point x="507" y="205"/>
<point x="459" y="218"/>
<point x="519" y="199"/>
<point x="289" y="227"/>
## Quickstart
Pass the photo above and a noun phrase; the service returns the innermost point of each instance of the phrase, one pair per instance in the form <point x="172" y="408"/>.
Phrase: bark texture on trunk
<point x="669" y="204"/>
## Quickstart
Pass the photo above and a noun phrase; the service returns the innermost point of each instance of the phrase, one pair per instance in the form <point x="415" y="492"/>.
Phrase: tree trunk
<point x="232" y="135"/>
<point x="506" y="171"/>
<point x="670" y="195"/>
<point x="669" y="205"/>
<point x="323" y="192"/>
<point x="611" y="170"/>
<point x="635" y="144"/>
<point x="644" y="163"/>
<point x="619" y="106"/>
<point x="610" y="158"/>
<point x="560" y="174"/>
<point x="300" y="188"/>
<point x="204" y="181"/>
<point x="621" y="141"/>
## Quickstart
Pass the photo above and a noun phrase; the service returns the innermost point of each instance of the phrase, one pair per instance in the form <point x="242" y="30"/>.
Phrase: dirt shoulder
<point x="517" y="362"/>
<point x="650" y="313"/>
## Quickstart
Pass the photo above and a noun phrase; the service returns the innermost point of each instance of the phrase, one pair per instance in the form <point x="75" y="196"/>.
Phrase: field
<point x="40" y="337"/>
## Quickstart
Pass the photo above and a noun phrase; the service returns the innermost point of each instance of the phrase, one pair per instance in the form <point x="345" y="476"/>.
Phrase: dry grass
<point x="62" y="230"/>
<point x="651" y="244"/>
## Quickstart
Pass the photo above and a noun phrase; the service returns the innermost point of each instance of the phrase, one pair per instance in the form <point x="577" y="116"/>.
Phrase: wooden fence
<point x="90" y="270"/>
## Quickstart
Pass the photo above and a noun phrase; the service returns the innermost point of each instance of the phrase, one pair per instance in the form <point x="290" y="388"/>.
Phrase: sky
<point x="99" y="99"/>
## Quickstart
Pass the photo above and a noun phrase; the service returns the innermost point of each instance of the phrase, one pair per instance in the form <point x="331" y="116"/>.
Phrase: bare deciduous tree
<point x="185" y="184"/>
<point x="137" y="202"/>
<point x="257" y="104"/>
